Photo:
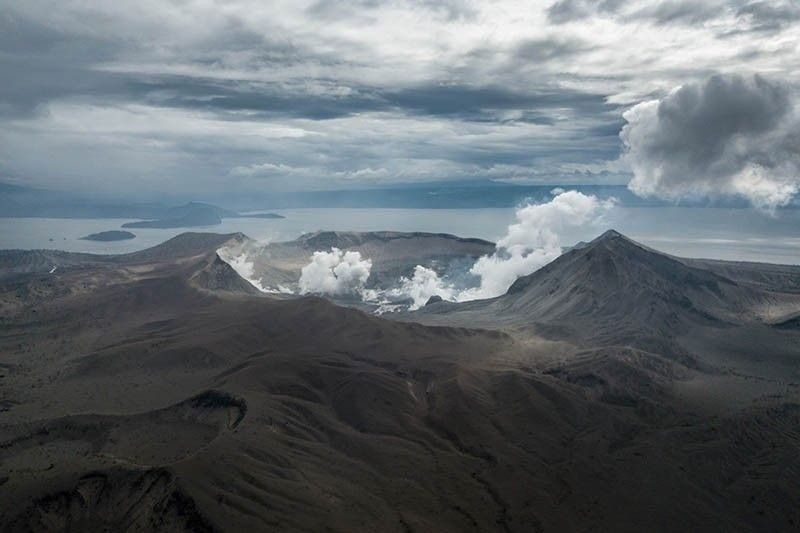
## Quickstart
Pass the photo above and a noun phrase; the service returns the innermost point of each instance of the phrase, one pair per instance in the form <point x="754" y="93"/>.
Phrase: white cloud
<point x="335" y="273"/>
<point x="424" y="284"/>
<point x="730" y="135"/>
<point x="239" y="260"/>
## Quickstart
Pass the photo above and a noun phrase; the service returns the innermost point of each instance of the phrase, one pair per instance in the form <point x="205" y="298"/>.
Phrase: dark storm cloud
<point x="39" y="63"/>
<point x="225" y="96"/>
<point x="754" y="16"/>
<point x="770" y="16"/>
<point x="570" y="10"/>
<point x="662" y="12"/>
<point x="469" y="102"/>
<point x="481" y="104"/>
<point x="539" y="50"/>
<point x="679" y="12"/>
<point x="609" y="129"/>
<point x="450" y="10"/>
<point x="21" y="36"/>
<point x="728" y="135"/>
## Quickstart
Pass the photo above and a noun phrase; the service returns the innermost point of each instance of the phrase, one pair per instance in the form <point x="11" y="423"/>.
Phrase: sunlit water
<point x="734" y="234"/>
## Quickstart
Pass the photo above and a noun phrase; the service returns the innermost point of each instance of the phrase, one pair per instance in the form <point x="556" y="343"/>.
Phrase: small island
<point x="108" y="236"/>
<point x="261" y="215"/>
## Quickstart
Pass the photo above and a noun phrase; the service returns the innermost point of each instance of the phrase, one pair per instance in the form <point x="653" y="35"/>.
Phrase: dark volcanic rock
<point x="115" y="500"/>
<point x="434" y="299"/>
<point x="220" y="276"/>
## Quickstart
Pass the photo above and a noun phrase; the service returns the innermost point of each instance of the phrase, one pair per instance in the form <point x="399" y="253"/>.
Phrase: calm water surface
<point x="734" y="234"/>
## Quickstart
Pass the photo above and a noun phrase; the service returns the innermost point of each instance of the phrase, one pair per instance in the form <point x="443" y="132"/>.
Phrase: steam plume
<point x="533" y="241"/>
<point x="335" y="273"/>
<point x="423" y="284"/>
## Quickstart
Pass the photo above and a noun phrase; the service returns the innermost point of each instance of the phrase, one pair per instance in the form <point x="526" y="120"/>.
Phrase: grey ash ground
<point x="616" y="389"/>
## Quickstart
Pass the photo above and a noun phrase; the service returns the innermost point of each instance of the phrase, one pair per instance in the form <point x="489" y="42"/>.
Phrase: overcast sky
<point x="165" y="95"/>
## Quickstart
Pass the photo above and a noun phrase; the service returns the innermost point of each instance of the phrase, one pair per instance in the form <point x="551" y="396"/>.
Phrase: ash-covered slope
<point x="617" y="291"/>
<point x="771" y="277"/>
<point x="184" y="245"/>
<point x="615" y="278"/>
<point x="217" y="275"/>
<point x="32" y="276"/>
<point x="32" y="262"/>
<point x="133" y="398"/>
<point x="20" y="262"/>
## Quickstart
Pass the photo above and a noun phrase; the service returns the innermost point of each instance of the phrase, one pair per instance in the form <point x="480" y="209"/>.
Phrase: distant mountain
<point x="20" y="201"/>
<point x="192" y="208"/>
<point x="450" y="195"/>
<point x="195" y="214"/>
<point x="190" y="217"/>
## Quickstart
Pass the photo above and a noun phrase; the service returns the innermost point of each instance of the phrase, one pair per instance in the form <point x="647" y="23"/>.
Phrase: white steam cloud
<point x="731" y="135"/>
<point x="336" y="273"/>
<point x="238" y="257"/>
<point x="424" y="284"/>
<point x="533" y="241"/>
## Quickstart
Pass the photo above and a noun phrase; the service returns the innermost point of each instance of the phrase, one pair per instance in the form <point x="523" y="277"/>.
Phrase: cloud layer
<point x="310" y="94"/>
<point x="730" y="135"/>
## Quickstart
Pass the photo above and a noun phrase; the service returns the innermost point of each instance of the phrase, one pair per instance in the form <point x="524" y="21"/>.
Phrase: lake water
<point x="717" y="233"/>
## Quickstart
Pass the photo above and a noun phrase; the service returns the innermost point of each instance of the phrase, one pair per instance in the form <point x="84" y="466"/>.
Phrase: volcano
<point x="614" y="290"/>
